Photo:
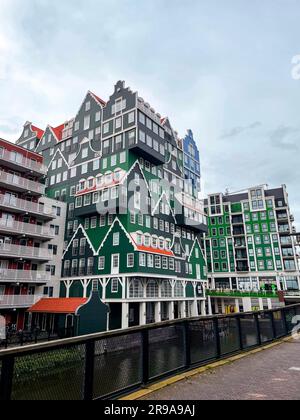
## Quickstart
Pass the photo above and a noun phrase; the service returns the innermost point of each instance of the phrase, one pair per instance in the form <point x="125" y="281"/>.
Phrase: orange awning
<point x="58" y="306"/>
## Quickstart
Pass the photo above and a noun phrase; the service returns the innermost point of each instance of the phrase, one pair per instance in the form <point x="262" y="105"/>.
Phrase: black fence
<point x="34" y="336"/>
<point x="108" y="365"/>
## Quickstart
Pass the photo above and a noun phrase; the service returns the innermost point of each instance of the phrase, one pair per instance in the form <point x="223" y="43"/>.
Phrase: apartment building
<point x="251" y="250"/>
<point x="134" y="224"/>
<point x="31" y="226"/>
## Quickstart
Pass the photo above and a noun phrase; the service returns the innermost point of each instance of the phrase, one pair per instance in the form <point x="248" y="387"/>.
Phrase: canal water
<point x="59" y="375"/>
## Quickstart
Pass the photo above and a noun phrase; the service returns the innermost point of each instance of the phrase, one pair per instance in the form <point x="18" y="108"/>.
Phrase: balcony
<point x="237" y="220"/>
<point x="26" y="229"/>
<point x="24" y="276"/>
<point x="25" y="252"/>
<point x="241" y="256"/>
<point x="242" y="268"/>
<point x="20" y="184"/>
<point x="238" y="231"/>
<point x="288" y="253"/>
<point x="17" y="205"/>
<point x="282" y="216"/>
<point x="18" y="301"/>
<point x="240" y="244"/>
<point x="284" y="230"/>
<point x="21" y="163"/>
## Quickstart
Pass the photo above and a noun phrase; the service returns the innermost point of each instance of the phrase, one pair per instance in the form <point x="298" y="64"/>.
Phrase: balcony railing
<point x="18" y="251"/>
<point x="18" y="204"/>
<point x="23" y="162"/>
<point x="241" y="293"/>
<point x="284" y="229"/>
<point x="20" y="184"/>
<point x="286" y="242"/>
<point x="18" y="301"/>
<point x="26" y="229"/>
<point x="289" y="294"/>
<point x="24" y="276"/>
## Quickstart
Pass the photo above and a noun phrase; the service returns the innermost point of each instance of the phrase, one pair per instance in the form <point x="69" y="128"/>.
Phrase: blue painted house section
<point x="192" y="160"/>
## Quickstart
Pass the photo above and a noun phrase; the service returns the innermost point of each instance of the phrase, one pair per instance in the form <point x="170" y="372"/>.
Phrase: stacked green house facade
<point x="135" y="226"/>
<point x="251" y="251"/>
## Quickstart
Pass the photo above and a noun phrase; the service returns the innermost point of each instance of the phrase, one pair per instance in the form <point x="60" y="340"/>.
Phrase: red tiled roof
<point x="58" y="306"/>
<point x="155" y="251"/>
<point x="58" y="131"/>
<point x="99" y="99"/>
<point x="38" y="131"/>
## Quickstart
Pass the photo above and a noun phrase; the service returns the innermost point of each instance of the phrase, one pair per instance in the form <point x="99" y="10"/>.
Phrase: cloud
<point x="195" y="62"/>
<point x="285" y="138"/>
<point x="236" y="131"/>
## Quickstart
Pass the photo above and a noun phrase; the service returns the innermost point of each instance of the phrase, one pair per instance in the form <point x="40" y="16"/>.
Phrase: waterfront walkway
<point x="271" y="374"/>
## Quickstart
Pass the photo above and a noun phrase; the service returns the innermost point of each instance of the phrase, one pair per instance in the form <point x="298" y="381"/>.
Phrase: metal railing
<point x="26" y="206"/>
<point x="26" y="229"/>
<point x="19" y="251"/>
<point x="290" y="294"/>
<point x="18" y="301"/>
<point x="112" y="364"/>
<point x="242" y="293"/>
<point x="15" y="338"/>
<point x="23" y="162"/>
<point x="24" y="276"/>
<point x="22" y="183"/>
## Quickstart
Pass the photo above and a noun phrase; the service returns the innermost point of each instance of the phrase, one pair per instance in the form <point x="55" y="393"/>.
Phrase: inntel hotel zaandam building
<point x="135" y="225"/>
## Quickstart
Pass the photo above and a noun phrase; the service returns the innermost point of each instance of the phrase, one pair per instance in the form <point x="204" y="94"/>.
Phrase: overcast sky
<point x="223" y="69"/>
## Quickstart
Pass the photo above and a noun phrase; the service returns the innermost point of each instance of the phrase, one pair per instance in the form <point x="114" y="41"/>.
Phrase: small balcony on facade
<point x="24" y="276"/>
<point x="19" y="206"/>
<point x="286" y="241"/>
<point x="20" y="229"/>
<point x="25" y="252"/>
<point x="288" y="253"/>
<point x="19" y="184"/>
<point x="284" y="229"/>
<point x="241" y="255"/>
<point x="237" y="220"/>
<point x="18" y="301"/>
<point x="240" y="243"/>
<point x="17" y="161"/>
<point x="282" y="216"/>
<point x="289" y="264"/>
<point x="238" y="231"/>
<point x="242" y="267"/>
